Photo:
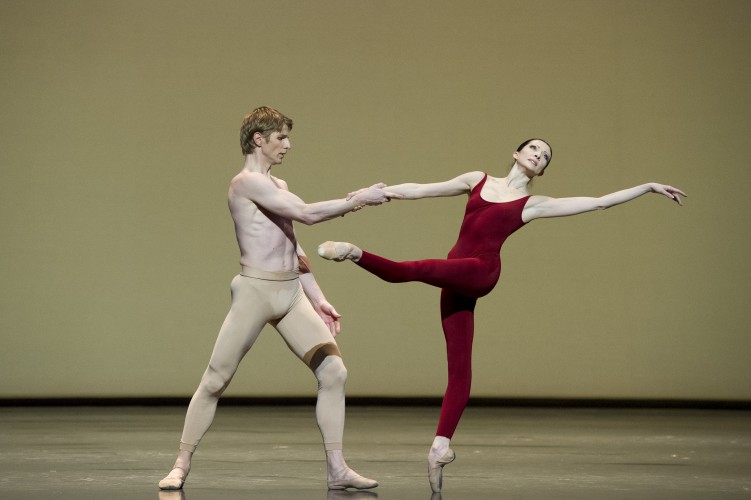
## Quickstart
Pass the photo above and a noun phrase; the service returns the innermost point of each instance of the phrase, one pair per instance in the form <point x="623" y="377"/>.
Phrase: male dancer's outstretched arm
<point x="263" y="191"/>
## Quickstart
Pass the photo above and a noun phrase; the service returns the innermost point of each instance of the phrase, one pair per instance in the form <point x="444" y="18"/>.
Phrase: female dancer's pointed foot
<point x="174" y="480"/>
<point x="351" y="479"/>
<point x="435" y="469"/>
<point x="339" y="251"/>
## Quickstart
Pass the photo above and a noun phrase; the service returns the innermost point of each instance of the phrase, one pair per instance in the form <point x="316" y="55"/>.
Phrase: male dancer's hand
<point x="329" y="316"/>
<point x="373" y="195"/>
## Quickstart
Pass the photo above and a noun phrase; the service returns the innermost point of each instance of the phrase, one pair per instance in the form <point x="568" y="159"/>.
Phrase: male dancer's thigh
<point x="306" y="334"/>
<point x="250" y="311"/>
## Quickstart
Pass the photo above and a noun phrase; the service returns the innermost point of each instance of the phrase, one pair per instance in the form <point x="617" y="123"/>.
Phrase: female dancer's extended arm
<point x="461" y="184"/>
<point x="543" y="206"/>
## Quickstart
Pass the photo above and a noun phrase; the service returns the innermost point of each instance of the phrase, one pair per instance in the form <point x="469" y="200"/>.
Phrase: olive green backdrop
<point x="119" y="132"/>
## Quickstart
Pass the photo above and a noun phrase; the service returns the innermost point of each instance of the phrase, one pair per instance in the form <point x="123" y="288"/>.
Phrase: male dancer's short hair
<point x="264" y="120"/>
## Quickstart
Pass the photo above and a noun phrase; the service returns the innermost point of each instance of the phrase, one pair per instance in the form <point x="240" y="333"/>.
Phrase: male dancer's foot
<point x="341" y="477"/>
<point x="179" y="473"/>
<point x="174" y="480"/>
<point x="440" y="455"/>
<point x="348" y="478"/>
<point x="339" y="251"/>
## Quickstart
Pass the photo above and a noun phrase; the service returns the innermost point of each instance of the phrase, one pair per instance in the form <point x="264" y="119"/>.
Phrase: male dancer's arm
<point x="262" y="191"/>
<point x="314" y="293"/>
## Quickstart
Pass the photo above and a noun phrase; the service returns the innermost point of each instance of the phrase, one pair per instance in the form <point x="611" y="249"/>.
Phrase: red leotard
<point x="470" y="271"/>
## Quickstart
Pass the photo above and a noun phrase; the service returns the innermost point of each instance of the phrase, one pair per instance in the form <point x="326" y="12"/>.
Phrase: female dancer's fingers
<point x="676" y="194"/>
<point x="670" y="192"/>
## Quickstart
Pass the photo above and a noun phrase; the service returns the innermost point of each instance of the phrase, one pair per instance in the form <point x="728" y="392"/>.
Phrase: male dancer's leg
<point x="241" y="327"/>
<point x="309" y="338"/>
<point x="248" y="314"/>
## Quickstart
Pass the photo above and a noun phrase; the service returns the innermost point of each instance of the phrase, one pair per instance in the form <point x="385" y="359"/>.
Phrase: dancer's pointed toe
<point x="337" y="250"/>
<point x="435" y="469"/>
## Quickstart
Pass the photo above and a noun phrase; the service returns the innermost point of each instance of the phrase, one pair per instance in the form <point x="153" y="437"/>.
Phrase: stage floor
<point x="275" y="452"/>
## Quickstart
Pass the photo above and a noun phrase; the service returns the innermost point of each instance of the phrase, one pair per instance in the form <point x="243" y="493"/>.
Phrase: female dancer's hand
<point x="669" y="191"/>
<point x="329" y="315"/>
<point x="373" y="195"/>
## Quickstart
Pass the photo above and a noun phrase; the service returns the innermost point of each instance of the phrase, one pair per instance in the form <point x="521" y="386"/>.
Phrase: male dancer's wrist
<point x="356" y="205"/>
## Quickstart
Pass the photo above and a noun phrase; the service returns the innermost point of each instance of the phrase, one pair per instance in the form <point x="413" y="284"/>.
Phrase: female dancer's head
<point x="533" y="156"/>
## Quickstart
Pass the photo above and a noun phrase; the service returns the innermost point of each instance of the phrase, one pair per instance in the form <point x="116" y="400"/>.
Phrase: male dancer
<point x="276" y="286"/>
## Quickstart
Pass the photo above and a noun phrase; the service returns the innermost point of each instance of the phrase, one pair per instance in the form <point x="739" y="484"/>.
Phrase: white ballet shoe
<point x="174" y="481"/>
<point x="337" y="250"/>
<point x="352" y="479"/>
<point x="435" y="469"/>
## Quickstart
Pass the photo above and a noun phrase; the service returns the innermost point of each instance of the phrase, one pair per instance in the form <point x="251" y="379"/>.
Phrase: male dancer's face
<point x="276" y="146"/>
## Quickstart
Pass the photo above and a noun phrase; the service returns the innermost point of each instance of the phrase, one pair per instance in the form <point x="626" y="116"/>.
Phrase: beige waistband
<point x="250" y="272"/>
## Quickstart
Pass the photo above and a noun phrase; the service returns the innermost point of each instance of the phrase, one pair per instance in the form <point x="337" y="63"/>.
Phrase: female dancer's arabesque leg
<point x="467" y="276"/>
<point x="461" y="281"/>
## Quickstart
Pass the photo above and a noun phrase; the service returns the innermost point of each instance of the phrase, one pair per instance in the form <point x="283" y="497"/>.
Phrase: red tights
<point x="462" y="281"/>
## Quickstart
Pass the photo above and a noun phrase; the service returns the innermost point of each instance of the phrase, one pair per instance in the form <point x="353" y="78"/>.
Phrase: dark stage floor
<point x="274" y="452"/>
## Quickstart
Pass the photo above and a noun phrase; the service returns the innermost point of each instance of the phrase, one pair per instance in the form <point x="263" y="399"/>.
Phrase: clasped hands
<point x="373" y="195"/>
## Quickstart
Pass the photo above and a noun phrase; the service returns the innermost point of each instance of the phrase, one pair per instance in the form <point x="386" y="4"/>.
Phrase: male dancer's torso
<point x="267" y="241"/>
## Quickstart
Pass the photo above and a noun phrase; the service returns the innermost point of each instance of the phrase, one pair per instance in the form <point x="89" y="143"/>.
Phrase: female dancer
<point x="496" y="208"/>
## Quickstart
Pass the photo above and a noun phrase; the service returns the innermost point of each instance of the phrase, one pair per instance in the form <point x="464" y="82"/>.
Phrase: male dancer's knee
<point x="213" y="382"/>
<point x="331" y="373"/>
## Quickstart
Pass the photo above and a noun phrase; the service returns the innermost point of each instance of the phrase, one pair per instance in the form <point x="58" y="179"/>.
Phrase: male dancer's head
<point x="265" y="121"/>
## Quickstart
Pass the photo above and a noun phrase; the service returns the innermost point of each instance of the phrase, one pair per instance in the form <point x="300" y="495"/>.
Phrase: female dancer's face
<point x="533" y="158"/>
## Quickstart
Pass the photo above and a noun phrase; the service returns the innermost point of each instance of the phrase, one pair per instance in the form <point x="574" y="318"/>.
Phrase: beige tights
<point x="281" y="303"/>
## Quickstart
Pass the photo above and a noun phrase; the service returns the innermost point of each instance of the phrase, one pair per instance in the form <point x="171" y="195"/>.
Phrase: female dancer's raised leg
<point x="469" y="276"/>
